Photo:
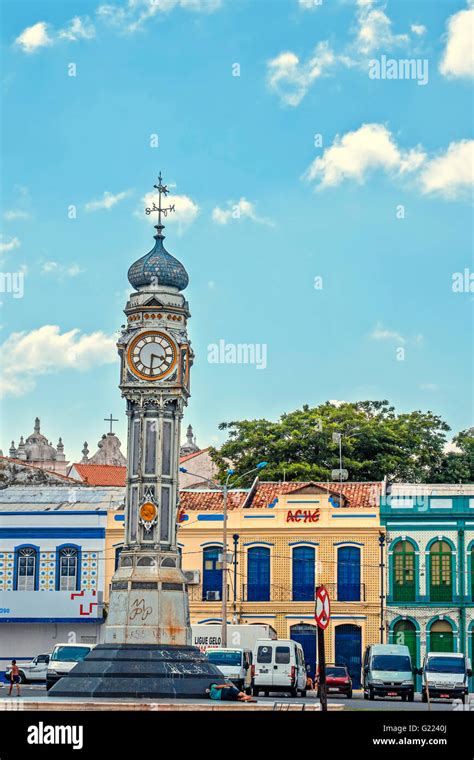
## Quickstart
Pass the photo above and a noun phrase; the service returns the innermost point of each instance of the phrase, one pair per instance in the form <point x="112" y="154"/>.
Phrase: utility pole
<point x="235" y="538"/>
<point x="382" y="589"/>
<point x="224" y="569"/>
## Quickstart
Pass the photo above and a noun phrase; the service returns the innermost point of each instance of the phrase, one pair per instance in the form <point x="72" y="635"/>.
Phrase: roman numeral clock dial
<point x="151" y="356"/>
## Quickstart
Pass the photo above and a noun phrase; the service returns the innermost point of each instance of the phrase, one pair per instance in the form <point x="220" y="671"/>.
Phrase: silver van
<point x="388" y="672"/>
<point x="445" y="676"/>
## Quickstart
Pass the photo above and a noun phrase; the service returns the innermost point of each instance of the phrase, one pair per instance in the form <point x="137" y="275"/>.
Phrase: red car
<point x="338" y="680"/>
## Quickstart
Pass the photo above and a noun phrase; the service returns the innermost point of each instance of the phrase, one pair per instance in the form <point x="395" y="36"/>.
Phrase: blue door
<point x="349" y="650"/>
<point x="306" y="636"/>
<point x="303" y="574"/>
<point x="211" y="574"/>
<point x="348" y="574"/>
<point x="258" y="574"/>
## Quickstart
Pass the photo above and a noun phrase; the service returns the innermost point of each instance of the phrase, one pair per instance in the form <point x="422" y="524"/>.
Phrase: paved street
<point x="38" y="692"/>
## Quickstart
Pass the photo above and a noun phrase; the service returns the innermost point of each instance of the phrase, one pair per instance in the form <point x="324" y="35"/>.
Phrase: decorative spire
<point x="37" y="425"/>
<point x="162" y="190"/>
<point x="60" y="446"/>
<point x="189" y="435"/>
<point x="12" y="451"/>
<point x="85" y="454"/>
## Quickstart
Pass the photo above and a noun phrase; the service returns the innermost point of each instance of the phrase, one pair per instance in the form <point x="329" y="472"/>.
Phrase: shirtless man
<point x="14" y="678"/>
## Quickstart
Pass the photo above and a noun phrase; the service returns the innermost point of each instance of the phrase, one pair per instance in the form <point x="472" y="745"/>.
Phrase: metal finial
<point x="162" y="190"/>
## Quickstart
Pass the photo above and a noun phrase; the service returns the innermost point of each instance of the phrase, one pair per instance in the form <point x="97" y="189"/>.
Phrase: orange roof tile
<point x="358" y="495"/>
<point x="102" y="474"/>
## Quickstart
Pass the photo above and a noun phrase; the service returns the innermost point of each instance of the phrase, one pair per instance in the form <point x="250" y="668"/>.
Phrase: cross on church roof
<point x="162" y="190"/>
<point x="110" y="420"/>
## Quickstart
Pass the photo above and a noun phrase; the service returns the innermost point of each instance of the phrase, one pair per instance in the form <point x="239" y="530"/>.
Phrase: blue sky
<point x="379" y="206"/>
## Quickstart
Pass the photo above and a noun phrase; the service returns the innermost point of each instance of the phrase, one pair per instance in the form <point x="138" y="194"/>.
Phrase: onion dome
<point x="158" y="267"/>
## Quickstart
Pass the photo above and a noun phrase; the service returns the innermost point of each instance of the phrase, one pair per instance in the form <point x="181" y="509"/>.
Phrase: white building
<point x="52" y="559"/>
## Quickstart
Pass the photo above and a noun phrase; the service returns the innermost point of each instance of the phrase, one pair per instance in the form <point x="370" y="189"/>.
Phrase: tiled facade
<point x="430" y="566"/>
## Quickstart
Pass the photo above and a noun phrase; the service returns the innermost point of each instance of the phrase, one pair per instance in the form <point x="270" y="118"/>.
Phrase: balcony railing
<point x="274" y="593"/>
<point x="346" y="592"/>
<point x="197" y="594"/>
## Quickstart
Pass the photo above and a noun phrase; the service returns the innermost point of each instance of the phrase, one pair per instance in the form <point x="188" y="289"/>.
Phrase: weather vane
<point x="162" y="190"/>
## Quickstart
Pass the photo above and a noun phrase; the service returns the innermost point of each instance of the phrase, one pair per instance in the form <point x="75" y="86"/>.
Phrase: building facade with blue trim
<point x="52" y="557"/>
<point x="430" y="568"/>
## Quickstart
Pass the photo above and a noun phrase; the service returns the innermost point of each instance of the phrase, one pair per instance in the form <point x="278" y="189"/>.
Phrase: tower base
<point x="139" y="671"/>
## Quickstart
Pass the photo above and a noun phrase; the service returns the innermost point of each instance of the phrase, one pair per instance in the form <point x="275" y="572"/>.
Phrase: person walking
<point x="14" y="678"/>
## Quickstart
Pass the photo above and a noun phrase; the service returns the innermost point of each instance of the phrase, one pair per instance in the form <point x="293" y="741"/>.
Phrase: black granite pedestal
<point x="139" y="671"/>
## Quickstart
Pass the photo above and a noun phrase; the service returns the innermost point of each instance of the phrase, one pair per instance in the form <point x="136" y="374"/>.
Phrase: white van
<point x="279" y="666"/>
<point x="63" y="658"/>
<point x="235" y="664"/>
<point x="445" y="675"/>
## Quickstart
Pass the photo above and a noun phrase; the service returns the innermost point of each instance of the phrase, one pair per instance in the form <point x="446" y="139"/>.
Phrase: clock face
<point x="151" y="355"/>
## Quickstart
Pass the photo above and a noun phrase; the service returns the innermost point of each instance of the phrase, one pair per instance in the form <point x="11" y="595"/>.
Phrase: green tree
<point x="376" y="443"/>
<point x="458" y="466"/>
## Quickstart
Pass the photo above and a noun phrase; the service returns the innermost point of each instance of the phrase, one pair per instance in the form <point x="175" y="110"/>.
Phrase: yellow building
<point x="286" y="538"/>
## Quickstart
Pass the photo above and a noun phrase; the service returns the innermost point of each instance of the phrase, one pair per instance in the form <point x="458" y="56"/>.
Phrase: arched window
<point x="118" y="551"/>
<point x="258" y="574"/>
<point x="472" y="575"/>
<point x="404" y="572"/>
<point x="26" y="569"/>
<point x="303" y="574"/>
<point x="441" y="636"/>
<point x="348" y="574"/>
<point x="68" y="567"/>
<point x="441" y="572"/>
<point x="404" y="633"/>
<point x="211" y="574"/>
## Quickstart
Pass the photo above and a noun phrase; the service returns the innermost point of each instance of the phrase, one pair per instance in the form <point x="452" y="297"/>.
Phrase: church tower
<point x="148" y="602"/>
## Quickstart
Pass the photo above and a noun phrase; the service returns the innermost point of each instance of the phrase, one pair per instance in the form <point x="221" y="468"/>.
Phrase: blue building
<point x="430" y="567"/>
<point x="52" y="566"/>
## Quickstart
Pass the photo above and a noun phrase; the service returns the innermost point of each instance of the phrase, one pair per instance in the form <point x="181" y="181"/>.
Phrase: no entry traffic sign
<point x="323" y="607"/>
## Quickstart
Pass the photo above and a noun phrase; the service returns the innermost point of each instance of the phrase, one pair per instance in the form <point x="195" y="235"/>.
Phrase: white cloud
<point x="186" y="210"/>
<point x="450" y="175"/>
<point x="13" y="214"/>
<point x="418" y="29"/>
<point x="374" y="28"/>
<point x="353" y="155"/>
<point x="382" y="333"/>
<point x="108" y="201"/>
<point x="135" y="13"/>
<point x="41" y="34"/>
<point x="78" y="29"/>
<point x="458" y="57"/>
<point x="240" y="210"/>
<point x="34" y="37"/>
<point x="291" y="79"/>
<point x="428" y="387"/>
<point x="53" y="267"/>
<point x="10" y="245"/>
<point x="46" y="351"/>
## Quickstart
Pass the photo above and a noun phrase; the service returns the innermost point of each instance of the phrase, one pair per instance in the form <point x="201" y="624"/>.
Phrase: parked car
<point x="279" y="666"/>
<point x="63" y="658"/>
<point x="235" y="664"/>
<point x="445" y="675"/>
<point x="388" y="672"/>
<point x="338" y="680"/>
<point x="35" y="670"/>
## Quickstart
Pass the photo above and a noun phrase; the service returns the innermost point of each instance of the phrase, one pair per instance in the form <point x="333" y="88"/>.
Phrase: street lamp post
<point x="225" y="491"/>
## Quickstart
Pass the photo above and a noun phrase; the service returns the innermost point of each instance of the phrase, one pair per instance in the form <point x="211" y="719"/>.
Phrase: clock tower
<point x="147" y="648"/>
<point x="148" y="600"/>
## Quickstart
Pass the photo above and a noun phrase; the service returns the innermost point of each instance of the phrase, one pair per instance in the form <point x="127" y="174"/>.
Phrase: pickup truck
<point x="35" y="670"/>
